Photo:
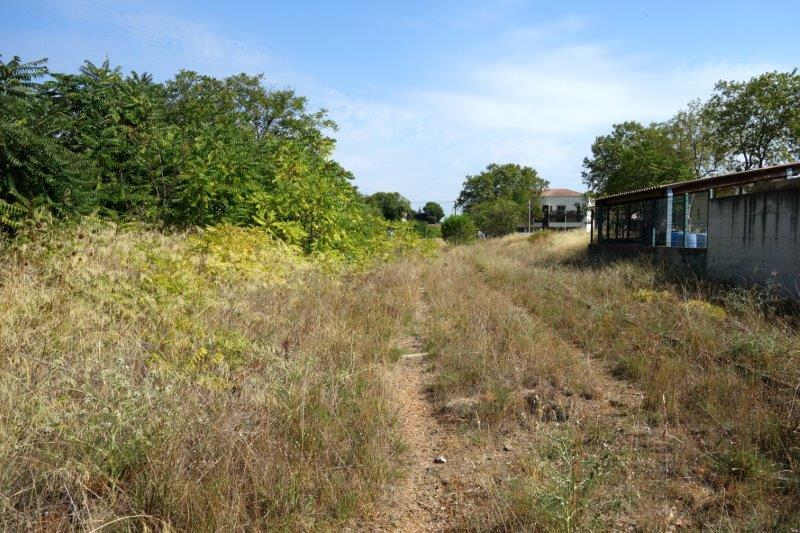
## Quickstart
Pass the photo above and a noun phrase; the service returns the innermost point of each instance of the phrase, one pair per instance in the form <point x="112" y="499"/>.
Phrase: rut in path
<point x="414" y="504"/>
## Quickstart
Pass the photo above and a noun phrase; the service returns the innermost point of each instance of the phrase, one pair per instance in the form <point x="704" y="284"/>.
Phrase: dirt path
<point x="415" y="504"/>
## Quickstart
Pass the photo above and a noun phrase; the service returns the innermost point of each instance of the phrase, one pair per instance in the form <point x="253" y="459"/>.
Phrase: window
<point x="678" y="221"/>
<point x="659" y="222"/>
<point x="697" y="228"/>
<point x="635" y="221"/>
<point x="645" y="222"/>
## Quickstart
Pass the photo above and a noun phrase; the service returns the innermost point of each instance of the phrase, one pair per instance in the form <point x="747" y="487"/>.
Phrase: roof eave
<point x="724" y="180"/>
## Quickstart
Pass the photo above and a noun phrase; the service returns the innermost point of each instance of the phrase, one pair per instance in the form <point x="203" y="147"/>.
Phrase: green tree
<point x="510" y="181"/>
<point x="392" y="205"/>
<point x="35" y="170"/>
<point x="429" y="231"/>
<point x="634" y="156"/>
<point x="754" y="123"/>
<point x="431" y="213"/>
<point x="459" y="229"/>
<point x="195" y="150"/>
<point x="690" y="132"/>
<point x="112" y="121"/>
<point x="498" y="217"/>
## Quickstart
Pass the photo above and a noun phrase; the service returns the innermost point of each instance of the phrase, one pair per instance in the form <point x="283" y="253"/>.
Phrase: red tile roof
<point x="561" y="192"/>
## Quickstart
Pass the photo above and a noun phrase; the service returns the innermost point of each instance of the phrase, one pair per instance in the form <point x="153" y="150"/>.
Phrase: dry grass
<point x="489" y="349"/>
<point x="221" y="381"/>
<point x="204" y="382"/>
<point x="719" y="378"/>
<point x="503" y="375"/>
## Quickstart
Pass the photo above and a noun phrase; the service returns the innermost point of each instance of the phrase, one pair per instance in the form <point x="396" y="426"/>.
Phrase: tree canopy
<point x="509" y="181"/>
<point x="392" y="205"/>
<point x="498" y="197"/>
<point x="431" y="213"/>
<point x="752" y="122"/>
<point x="194" y="150"/>
<point x="634" y="156"/>
<point x="743" y="125"/>
<point x="498" y="217"/>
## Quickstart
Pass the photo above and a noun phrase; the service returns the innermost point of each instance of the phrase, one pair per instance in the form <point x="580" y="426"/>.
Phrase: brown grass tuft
<point x="197" y="382"/>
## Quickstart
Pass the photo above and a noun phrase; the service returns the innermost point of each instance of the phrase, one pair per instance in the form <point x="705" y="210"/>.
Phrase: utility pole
<point x="529" y="215"/>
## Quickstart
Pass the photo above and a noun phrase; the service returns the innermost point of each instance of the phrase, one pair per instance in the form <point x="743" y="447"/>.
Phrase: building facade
<point x="562" y="209"/>
<point x="742" y="227"/>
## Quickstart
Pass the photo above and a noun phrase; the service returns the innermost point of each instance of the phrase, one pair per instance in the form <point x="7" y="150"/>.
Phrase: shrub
<point x="458" y="229"/>
<point x="498" y="217"/>
<point x="192" y="151"/>
<point x="428" y="231"/>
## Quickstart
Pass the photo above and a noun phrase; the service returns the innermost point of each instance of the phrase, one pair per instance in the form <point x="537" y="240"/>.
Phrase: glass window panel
<point x="612" y="222"/>
<point x="678" y="221"/>
<point x="697" y="231"/>
<point x="635" y="221"/>
<point x="660" y="221"/>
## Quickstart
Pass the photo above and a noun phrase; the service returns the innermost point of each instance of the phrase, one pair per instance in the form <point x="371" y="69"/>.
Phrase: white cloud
<point x="203" y="46"/>
<point x="536" y="95"/>
<point x="542" y="111"/>
<point x="136" y="26"/>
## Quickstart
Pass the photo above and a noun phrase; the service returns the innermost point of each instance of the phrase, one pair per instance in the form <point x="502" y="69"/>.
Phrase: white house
<point x="562" y="209"/>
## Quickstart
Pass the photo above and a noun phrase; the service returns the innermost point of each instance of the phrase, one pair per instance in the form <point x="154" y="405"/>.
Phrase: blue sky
<point x="427" y="92"/>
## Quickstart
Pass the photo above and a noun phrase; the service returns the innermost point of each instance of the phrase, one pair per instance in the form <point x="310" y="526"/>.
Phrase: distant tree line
<point x="497" y="200"/>
<point x="742" y="126"/>
<point x="395" y="206"/>
<point x="193" y="150"/>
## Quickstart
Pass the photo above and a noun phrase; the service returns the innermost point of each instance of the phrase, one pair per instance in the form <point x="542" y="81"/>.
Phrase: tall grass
<point x="716" y="369"/>
<point x="219" y="380"/>
<point x="489" y="349"/>
<point x="210" y="381"/>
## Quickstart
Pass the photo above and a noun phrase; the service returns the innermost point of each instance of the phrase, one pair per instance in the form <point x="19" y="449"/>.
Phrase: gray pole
<point x="529" y="216"/>
<point x="669" y="218"/>
<point x="685" y="219"/>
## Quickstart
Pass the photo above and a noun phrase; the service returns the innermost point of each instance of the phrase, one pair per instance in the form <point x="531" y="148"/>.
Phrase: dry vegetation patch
<point x="542" y="436"/>
<point x="718" y="372"/>
<point x="207" y="381"/>
<point x="219" y="380"/>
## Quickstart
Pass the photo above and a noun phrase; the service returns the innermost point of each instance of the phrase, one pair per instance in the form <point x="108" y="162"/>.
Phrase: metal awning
<point x="787" y="170"/>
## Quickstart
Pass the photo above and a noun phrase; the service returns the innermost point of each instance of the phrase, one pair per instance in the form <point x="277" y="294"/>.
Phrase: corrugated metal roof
<point x="757" y="174"/>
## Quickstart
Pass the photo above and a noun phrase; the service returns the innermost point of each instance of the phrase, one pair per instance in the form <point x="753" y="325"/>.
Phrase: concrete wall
<point x="755" y="238"/>
<point x="681" y="260"/>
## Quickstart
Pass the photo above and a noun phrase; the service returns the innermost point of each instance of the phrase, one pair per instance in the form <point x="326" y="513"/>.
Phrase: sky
<point x="425" y="93"/>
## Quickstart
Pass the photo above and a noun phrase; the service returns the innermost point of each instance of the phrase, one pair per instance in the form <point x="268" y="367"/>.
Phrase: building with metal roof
<point x="741" y="226"/>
